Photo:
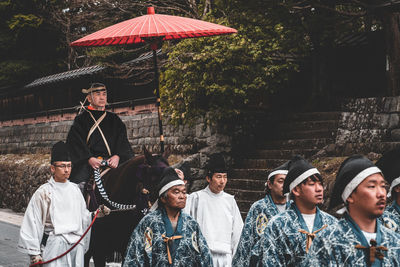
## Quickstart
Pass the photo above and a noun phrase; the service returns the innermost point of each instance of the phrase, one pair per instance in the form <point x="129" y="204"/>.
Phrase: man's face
<point x="61" y="170"/>
<point x="176" y="197"/>
<point x="98" y="99"/>
<point x="369" y="198"/>
<point x="217" y="182"/>
<point x="311" y="193"/>
<point x="276" y="187"/>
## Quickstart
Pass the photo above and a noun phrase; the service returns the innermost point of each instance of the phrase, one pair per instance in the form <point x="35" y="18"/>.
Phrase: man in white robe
<point x="217" y="214"/>
<point x="57" y="209"/>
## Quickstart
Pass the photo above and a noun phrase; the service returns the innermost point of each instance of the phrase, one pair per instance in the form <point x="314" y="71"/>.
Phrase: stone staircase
<point x="302" y="133"/>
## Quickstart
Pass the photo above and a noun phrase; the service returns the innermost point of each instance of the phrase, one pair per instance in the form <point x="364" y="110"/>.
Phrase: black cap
<point x="60" y="152"/>
<point x="169" y="178"/>
<point x="389" y="164"/>
<point x="351" y="173"/>
<point x="216" y="164"/>
<point x="299" y="170"/>
<point x="283" y="169"/>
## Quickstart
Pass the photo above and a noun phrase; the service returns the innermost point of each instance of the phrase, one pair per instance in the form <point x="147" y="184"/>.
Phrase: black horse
<point x="133" y="182"/>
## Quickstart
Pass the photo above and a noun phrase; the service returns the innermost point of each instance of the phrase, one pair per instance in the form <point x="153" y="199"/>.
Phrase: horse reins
<point x="103" y="193"/>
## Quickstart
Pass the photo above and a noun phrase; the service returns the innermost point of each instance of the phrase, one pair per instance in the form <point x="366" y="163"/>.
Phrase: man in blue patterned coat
<point x="359" y="239"/>
<point x="260" y="213"/>
<point x="167" y="236"/>
<point x="389" y="164"/>
<point x="289" y="235"/>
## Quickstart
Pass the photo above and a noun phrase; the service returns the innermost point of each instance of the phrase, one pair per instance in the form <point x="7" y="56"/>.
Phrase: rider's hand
<point x="94" y="163"/>
<point x="35" y="259"/>
<point x="113" y="161"/>
<point x="103" y="211"/>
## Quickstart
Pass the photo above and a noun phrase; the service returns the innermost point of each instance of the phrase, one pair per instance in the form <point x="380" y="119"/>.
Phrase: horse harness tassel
<point x="103" y="193"/>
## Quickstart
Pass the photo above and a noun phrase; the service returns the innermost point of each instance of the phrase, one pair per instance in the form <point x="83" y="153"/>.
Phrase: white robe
<point x="220" y="222"/>
<point x="59" y="210"/>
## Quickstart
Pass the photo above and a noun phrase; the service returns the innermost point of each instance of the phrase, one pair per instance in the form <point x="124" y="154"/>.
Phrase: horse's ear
<point x="167" y="152"/>
<point x="147" y="155"/>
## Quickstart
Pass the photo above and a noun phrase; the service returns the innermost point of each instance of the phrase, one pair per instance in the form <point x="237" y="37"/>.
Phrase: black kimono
<point x="114" y="131"/>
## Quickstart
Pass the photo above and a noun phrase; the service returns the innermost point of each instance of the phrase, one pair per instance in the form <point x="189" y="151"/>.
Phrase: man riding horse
<point x="95" y="135"/>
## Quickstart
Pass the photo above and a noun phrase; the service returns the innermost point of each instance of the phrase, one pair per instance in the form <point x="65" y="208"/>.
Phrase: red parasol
<point x="153" y="28"/>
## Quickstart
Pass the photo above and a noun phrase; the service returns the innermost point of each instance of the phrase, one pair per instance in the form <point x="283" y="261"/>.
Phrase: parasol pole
<point x="153" y="46"/>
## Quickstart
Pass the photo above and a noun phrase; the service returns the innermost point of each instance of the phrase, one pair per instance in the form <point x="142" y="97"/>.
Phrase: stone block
<point x="395" y="134"/>
<point x="393" y="121"/>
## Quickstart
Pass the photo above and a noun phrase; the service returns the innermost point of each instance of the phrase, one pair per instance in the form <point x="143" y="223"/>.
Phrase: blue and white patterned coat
<point x="256" y="221"/>
<point x="336" y="246"/>
<point x="147" y="247"/>
<point x="282" y="244"/>
<point x="391" y="217"/>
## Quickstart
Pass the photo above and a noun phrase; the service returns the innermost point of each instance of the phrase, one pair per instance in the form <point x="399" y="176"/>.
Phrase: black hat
<point x="60" y="152"/>
<point x="169" y="178"/>
<point x="283" y="169"/>
<point x="390" y="167"/>
<point x="299" y="170"/>
<point x="351" y="173"/>
<point x="94" y="87"/>
<point x="216" y="164"/>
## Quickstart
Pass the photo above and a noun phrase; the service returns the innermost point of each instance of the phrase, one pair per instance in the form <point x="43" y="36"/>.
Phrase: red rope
<point x="71" y="248"/>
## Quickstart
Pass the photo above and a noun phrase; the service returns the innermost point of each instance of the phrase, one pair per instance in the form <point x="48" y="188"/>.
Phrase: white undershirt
<point x="309" y="219"/>
<point x="369" y="236"/>
<point x="281" y="207"/>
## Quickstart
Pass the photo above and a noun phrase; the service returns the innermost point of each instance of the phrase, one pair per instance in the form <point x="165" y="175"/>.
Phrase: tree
<point x="220" y="78"/>
<point x="29" y="43"/>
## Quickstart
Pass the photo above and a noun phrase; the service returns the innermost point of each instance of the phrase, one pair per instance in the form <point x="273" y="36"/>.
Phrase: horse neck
<point x="125" y="177"/>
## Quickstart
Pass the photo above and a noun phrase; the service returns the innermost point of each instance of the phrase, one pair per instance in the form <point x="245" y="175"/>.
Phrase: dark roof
<point x="356" y="39"/>
<point x="87" y="71"/>
<point x="63" y="76"/>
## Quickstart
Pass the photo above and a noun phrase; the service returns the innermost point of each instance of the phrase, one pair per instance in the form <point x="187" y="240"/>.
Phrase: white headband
<point x="357" y="180"/>
<point x="169" y="185"/>
<point x="275" y="173"/>
<point x="395" y="183"/>
<point x="302" y="177"/>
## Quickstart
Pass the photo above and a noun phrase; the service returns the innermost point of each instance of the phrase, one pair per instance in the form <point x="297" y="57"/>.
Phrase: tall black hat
<point x="216" y="164"/>
<point x="299" y="170"/>
<point x="389" y="164"/>
<point x="283" y="169"/>
<point x="60" y="152"/>
<point x="351" y="173"/>
<point x="169" y="178"/>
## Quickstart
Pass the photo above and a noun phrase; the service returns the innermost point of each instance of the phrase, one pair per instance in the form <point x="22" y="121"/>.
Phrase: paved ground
<point x="10" y="223"/>
<point x="9" y="232"/>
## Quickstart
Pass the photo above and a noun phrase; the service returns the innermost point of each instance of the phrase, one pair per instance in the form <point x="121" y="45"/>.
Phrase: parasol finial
<point x="150" y="10"/>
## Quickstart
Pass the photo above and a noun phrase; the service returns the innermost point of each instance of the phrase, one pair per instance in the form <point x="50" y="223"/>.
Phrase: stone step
<point x="246" y="184"/>
<point x="244" y="205"/>
<point x="254" y="174"/>
<point x="249" y="195"/>
<point x="307" y="125"/>
<point x="314" y="116"/>
<point x="282" y="154"/>
<point x="306" y="143"/>
<point x="310" y="134"/>
<point x="260" y="163"/>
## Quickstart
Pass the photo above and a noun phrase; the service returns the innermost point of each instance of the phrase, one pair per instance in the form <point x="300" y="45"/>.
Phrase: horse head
<point x="156" y="164"/>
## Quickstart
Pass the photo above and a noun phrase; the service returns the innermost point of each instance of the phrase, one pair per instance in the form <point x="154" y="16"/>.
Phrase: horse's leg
<point x="99" y="259"/>
<point x="88" y="255"/>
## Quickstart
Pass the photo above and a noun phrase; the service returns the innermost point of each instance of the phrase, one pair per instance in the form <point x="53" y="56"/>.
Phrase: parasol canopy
<point x="152" y="25"/>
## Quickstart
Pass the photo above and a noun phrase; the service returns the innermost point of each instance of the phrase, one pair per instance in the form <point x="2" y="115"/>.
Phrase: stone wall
<point x="367" y="125"/>
<point x="21" y="147"/>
